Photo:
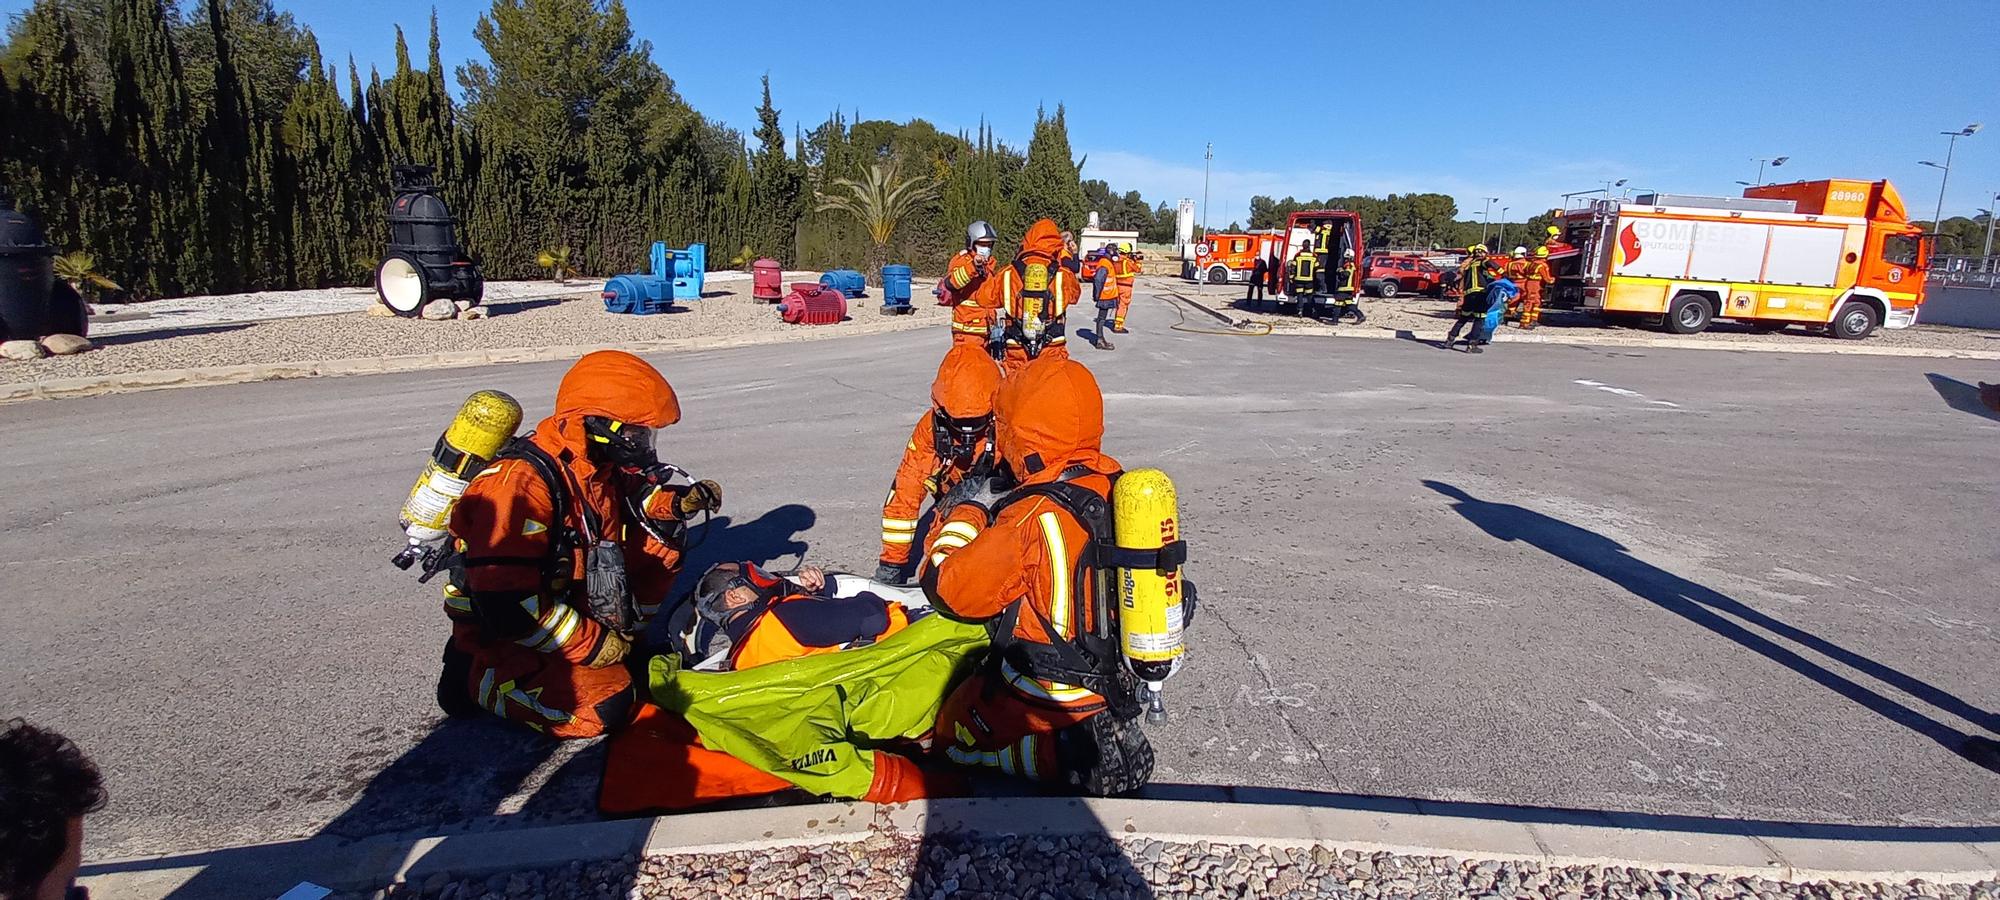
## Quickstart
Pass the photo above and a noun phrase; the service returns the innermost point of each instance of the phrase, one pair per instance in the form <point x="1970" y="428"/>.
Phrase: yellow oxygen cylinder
<point x="483" y="426"/>
<point x="1146" y="523"/>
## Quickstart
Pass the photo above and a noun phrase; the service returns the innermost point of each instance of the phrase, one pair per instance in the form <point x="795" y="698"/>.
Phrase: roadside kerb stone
<point x="1276" y="829"/>
<point x="161" y="379"/>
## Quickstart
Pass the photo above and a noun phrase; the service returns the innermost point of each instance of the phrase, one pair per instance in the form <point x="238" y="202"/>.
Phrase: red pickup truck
<point x="1388" y="276"/>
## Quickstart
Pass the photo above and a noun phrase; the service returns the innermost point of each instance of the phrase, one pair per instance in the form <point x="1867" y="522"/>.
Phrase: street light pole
<point x="1951" y="143"/>
<point x="1486" y="217"/>
<point x="1503" y="227"/>
<point x="1989" y="225"/>
<point x="1207" y="157"/>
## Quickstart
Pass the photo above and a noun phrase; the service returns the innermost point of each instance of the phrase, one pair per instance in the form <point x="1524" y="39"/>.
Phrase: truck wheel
<point x="1688" y="314"/>
<point x="1856" y="320"/>
<point x="1218" y="275"/>
<point x="1388" y="289"/>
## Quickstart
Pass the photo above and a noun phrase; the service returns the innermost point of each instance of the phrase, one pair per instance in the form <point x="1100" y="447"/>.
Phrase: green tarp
<point x="815" y="721"/>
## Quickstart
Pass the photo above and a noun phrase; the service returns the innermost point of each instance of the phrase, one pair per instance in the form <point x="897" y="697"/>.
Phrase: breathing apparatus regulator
<point x="481" y="429"/>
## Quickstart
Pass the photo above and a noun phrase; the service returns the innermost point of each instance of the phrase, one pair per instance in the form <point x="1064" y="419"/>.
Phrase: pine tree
<point x="1048" y="186"/>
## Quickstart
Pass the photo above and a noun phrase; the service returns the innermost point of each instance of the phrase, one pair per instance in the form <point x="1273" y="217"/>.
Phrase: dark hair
<point x="45" y="781"/>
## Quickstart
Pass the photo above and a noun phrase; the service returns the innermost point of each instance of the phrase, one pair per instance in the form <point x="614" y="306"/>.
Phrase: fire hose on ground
<point x="1238" y="328"/>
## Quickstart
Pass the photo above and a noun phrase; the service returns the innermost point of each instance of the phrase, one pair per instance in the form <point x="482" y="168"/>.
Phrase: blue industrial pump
<point x="848" y="282"/>
<point x="896" y="290"/>
<point x="675" y="275"/>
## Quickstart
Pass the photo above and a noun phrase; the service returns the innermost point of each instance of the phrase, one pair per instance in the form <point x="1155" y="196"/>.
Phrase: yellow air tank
<point x="1146" y="524"/>
<point x="483" y="426"/>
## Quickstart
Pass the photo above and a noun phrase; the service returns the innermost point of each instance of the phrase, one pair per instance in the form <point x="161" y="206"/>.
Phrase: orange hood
<point x="1049" y="416"/>
<point x="1044" y="238"/>
<point x="613" y="384"/>
<point x="965" y="383"/>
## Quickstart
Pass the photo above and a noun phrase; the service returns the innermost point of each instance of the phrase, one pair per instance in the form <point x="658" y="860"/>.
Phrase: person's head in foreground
<point x="47" y="786"/>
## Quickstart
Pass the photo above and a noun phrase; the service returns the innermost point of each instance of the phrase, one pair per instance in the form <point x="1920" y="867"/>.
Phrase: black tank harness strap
<point x="1089" y="660"/>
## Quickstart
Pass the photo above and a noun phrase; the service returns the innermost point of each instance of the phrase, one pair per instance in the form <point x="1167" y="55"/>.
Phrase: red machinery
<point x="767" y="280"/>
<point x="813" y="304"/>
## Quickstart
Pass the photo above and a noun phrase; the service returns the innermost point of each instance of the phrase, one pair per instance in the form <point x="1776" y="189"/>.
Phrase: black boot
<point x="1104" y="755"/>
<point x="453" y="691"/>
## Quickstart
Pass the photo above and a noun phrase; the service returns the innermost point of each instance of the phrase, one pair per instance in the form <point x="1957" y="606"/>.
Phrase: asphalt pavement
<point x="1711" y="584"/>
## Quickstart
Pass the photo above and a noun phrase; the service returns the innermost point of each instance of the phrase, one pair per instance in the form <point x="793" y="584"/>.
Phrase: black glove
<point x="889" y="573"/>
<point x="973" y="488"/>
<point x="700" y="496"/>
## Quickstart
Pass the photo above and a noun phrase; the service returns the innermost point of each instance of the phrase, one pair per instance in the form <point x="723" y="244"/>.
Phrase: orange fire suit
<point x="1034" y="295"/>
<point x="963" y="390"/>
<point x="964" y="282"/>
<point x="1515" y="270"/>
<point x="1020" y="567"/>
<point x="790" y="622"/>
<point x="519" y="612"/>
<point x="1126" y="269"/>
<point x="1535" y="278"/>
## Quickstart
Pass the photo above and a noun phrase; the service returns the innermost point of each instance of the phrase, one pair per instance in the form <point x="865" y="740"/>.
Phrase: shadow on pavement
<point x="161" y="334"/>
<point x="1554" y="815"/>
<point x="1961" y="396"/>
<point x="464" y="776"/>
<point x="1705" y="606"/>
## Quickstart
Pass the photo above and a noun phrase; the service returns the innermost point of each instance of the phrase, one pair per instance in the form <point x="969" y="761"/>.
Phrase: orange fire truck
<point x="1837" y="255"/>
<point x="1224" y="258"/>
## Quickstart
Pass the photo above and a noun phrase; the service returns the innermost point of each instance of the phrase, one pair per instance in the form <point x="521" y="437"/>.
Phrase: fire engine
<point x="1225" y="258"/>
<point x="1838" y="255"/>
<point x="1301" y="227"/>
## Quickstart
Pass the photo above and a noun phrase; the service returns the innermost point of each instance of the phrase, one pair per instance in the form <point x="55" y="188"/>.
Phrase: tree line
<point x="216" y="149"/>
<point x="1408" y="221"/>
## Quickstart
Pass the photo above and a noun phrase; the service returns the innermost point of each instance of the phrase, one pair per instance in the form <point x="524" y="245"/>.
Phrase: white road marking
<point x="1623" y="392"/>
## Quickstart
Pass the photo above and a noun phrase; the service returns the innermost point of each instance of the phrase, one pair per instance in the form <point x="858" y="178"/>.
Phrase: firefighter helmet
<point x="979" y="231"/>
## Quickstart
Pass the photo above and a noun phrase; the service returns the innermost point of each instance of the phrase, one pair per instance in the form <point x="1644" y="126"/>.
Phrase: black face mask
<point x="954" y="438"/>
<point x="616" y="443"/>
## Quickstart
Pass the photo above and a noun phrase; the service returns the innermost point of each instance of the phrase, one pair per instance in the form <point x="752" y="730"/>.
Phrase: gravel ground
<point x="1429" y="320"/>
<point x="888" y="865"/>
<point x="579" y="320"/>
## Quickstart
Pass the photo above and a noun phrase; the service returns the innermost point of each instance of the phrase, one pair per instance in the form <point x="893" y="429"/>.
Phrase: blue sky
<point x="1682" y="97"/>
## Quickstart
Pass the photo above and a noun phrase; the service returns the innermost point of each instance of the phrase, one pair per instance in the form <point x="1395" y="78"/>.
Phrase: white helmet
<point x="1347" y="253"/>
<point x="979" y="231"/>
<point x="1520" y="251"/>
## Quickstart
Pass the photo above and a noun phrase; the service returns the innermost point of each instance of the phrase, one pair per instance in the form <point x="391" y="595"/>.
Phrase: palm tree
<point x="556" y="260"/>
<point x="80" y="269"/>
<point x="880" y="201"/>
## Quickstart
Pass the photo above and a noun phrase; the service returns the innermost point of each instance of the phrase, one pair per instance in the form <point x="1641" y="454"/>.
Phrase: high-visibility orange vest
<point x="769" y="641"/>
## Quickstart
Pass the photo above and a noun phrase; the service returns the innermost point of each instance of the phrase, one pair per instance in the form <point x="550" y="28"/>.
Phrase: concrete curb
<point x="164" y="379"/>
<point x="1664" y="343"/>
<point x="1585" y="838"/>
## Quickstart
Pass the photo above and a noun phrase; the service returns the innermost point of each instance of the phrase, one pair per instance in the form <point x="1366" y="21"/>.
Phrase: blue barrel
<point x="848" y="282"/>
<point x="895" y="285"/>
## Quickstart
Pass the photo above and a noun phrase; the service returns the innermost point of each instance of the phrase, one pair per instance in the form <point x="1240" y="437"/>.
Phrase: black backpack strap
<point x="564" y="538"/>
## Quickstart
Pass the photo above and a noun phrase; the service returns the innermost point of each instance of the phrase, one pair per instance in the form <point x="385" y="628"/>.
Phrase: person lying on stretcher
<point x="748" y="617"/>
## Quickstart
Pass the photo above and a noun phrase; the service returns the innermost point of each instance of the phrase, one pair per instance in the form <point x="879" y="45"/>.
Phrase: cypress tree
<point x="1048" y="186"/>
<point x="776" y="200"/>
<point x="151" y="121"/>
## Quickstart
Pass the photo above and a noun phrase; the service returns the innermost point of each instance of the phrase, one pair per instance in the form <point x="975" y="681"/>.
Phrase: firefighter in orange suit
<point x="539" y="637"/>
<point x="1536" y="277"/>
<point x="766" y="618"/>
<point x="1126" y="269"/>
<point x="1033" y="294"/>
<point x="1516" y="270"/>
<point x="1036" y="707"/>
<point x="964" y="288"/>
<point x="954" y="438"/>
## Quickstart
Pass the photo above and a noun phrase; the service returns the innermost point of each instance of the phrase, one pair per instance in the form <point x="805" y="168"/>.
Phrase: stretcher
<point x="844" y="725"/>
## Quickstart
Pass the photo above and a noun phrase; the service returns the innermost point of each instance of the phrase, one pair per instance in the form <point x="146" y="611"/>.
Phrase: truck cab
<point x="1230" y="257"/>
